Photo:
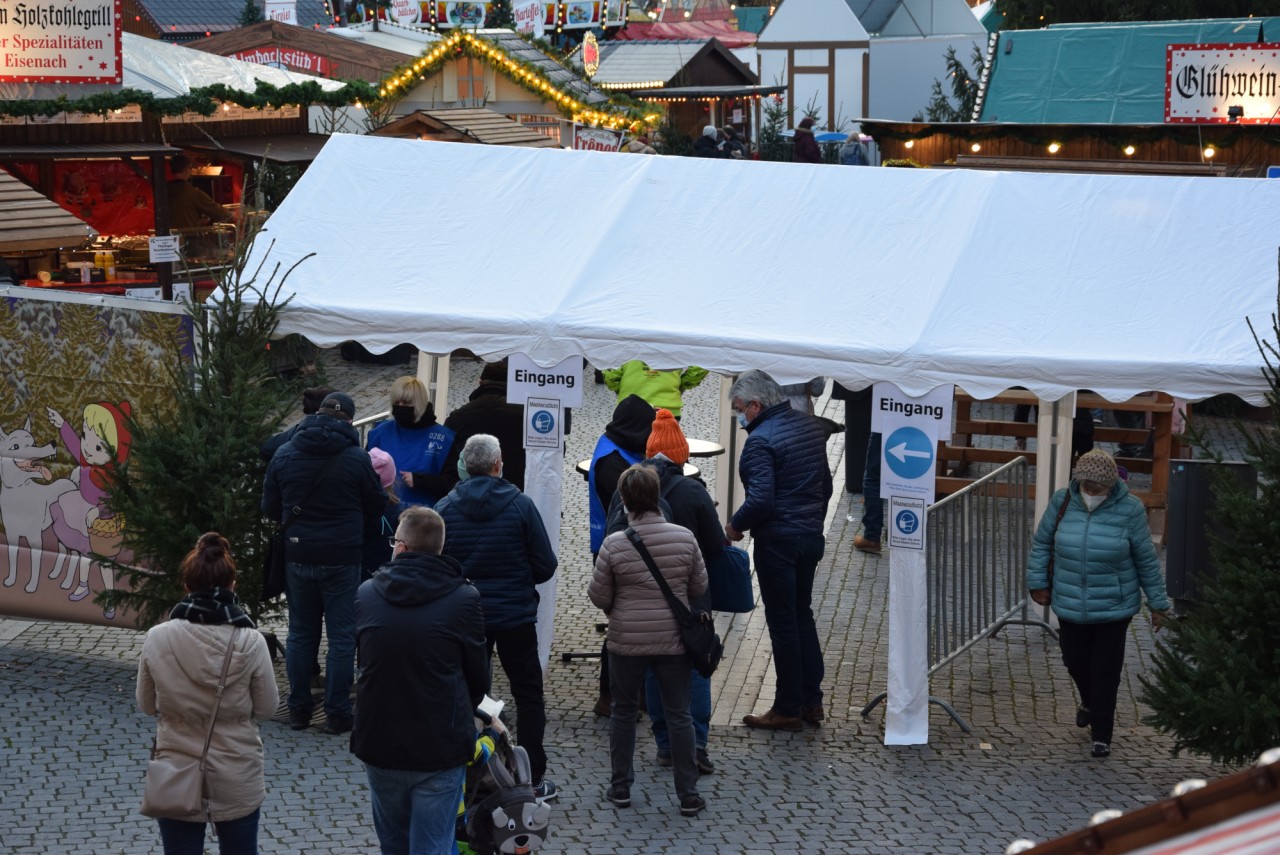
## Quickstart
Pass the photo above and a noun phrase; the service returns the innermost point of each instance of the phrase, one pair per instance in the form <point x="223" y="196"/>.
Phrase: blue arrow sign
<point x="909" y="453"/>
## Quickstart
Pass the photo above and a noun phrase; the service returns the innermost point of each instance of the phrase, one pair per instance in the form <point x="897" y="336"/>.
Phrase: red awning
<point x="671" y="31"/>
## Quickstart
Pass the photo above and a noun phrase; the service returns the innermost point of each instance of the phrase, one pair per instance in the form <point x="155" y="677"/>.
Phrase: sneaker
<point x="336" y="724"/>
<point x="772" y="720"/>
<point x="299" y="720"/>
<point x="663" y="758"/>
<point x="692" y="805"/>
<point x="1101" y="749"/>
<point x="619" y="796"/>
<point x="545" y="790"/>
<point x="705" y="766"/>
<point x="1082" y="716"/>
<point x="862" y="544"/>
<point x="813" y="715"/>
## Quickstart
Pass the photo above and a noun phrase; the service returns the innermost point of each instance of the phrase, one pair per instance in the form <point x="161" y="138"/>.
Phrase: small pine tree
<point x="500" y="16"/>
<point x="773" y="145"/>
<point x="964" y="88"/>
<point x="1216" y="682"/>
<point x="196" y="468"/>
<point x="669" y="139"/>
<point x="250" y="14"/>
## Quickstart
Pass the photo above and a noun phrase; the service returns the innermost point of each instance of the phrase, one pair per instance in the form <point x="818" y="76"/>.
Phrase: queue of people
<point x="456" y="583"/>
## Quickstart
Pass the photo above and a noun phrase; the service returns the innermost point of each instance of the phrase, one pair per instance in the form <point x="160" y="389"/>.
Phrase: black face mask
<point x="403" y="415"/>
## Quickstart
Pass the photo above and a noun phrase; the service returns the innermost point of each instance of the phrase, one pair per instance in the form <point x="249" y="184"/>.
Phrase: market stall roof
<point x="30" y="221"/>
<point x="390" y="36"/>
<point x="74" y="151"/>
<point x="654" y="64"/>
<point x="823" y="22"/>
<point x="690" y="93"/>
<point x="167" y="71"/>
<point x="281" y="148"/>
<point x="899" y="18"/>
<point x="185" y="17"/>
<point x="1101" y="283"/>
<point x="1097" y="73"/>
<point x="466" y="124"/>
<point x="685" y="30"/>
<point x="346" y="57"/>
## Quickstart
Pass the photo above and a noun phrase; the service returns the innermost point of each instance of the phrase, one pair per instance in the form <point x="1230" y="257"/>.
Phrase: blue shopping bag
<point x="729" y="577"/>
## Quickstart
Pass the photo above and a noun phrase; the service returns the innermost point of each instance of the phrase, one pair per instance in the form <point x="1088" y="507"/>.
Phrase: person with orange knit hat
<point x="691" y="506"/>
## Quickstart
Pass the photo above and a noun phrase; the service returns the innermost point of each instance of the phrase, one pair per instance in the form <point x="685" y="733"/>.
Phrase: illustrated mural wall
<point x="71" y="374"/>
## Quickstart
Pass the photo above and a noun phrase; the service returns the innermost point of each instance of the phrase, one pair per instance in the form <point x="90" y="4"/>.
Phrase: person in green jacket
<point x="1096" y="533"/>
<point x="659" y="388"/>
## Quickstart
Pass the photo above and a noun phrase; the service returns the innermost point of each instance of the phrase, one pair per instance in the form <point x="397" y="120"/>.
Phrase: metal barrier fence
<point x="363" y="425"/>
<point x="978" y="542"/>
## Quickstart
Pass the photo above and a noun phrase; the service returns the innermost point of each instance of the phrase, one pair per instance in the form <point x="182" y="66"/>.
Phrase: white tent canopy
<point x="988" y="280"/>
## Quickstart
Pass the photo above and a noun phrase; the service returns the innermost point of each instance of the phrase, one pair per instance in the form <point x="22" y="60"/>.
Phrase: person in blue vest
<point x="622" y="445"/>
<point x="417" y="442"/>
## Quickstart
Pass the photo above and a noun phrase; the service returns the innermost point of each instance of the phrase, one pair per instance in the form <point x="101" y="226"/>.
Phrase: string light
<point x="910" y="144"/>
<point x="1209" y="152"/>
<point x="1054" y="148"/>
<point x="1129" y="150"/>
<point x="975" y="148"/>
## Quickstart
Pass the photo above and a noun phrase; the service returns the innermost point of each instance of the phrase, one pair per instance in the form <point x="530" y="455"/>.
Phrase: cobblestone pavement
<point x="74" y="747"/>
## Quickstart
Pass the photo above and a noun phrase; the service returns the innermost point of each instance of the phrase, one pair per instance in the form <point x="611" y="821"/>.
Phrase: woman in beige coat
<point x="643" y="633"/>
<point x="177" y="678"/>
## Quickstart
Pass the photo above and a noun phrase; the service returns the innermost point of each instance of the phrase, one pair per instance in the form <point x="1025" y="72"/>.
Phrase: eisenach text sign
<point x="1203" y="83"/>
<point x="72" y="41"/>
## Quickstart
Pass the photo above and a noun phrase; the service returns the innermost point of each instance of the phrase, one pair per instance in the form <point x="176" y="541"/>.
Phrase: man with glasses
<point x="497" y="535"/>
<point x="420" y="632"/>
<point x="788" y="484"/>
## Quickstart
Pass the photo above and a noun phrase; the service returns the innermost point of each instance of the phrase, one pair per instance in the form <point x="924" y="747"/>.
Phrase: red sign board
<point x="596" y="139"/>
<point x="277" y="57"/>
<point x="66" y="41"/>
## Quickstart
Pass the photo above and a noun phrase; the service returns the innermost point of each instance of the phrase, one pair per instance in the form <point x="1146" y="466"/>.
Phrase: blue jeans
<point x="699" y="708"/>
<point x="414" y="812"/>
<point x="316" y="592"/>
<point x="785" y="568"/>
<point x="626" y="678"/>
<point x="872" y="507"/>
<point x="235" y="836"/>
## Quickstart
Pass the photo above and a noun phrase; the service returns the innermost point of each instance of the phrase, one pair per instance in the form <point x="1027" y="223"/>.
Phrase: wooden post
<point x="160" y="194"/>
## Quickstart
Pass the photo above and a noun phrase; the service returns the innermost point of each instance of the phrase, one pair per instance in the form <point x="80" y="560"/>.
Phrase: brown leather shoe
<point x="813" y="715"/>
<point x="773" y="721"/>
<point x="604" y="706"/>
<point x="861" y="544"/>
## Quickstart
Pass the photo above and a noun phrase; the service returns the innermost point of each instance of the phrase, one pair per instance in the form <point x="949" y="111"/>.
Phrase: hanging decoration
<point x="524" y="74"/>
<point x="203" y="100"/>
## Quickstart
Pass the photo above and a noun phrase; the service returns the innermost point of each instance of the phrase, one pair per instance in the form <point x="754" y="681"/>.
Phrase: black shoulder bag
<point x="273" y="573"/>
<point x="1053" y="540"/>
<point x="697" y="630"/>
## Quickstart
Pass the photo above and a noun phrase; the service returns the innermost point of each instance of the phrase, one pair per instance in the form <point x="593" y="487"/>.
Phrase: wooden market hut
<point x="699" y="81"/>
<point x="474" y="125"/>
<point x="318" y="52"/>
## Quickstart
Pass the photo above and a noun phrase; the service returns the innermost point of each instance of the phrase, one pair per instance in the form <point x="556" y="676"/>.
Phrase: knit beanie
<point x="710" y="131"/>
<point x="1097" y="466"/>
<point x="666" y="438"/>
<point x="384" y="466"/>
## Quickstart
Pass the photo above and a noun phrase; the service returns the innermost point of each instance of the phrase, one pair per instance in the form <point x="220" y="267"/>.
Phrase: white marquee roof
<point x="989" y="280"/>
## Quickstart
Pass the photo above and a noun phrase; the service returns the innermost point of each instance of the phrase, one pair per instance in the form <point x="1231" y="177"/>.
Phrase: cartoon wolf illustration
<point x="24" y="500"/>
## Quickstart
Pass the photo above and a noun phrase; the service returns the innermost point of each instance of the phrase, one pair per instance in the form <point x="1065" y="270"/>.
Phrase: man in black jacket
<point x="788" y="482"/>
<point x="420" y="628"/>
<point x="326" y="480"/>
<point x="497" y="535"/>
<point x="487" y="411"/>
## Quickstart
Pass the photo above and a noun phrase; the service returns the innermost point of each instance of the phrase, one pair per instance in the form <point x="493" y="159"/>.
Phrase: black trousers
<point x="1094" y="656"/>
<point x="518" y="653"/>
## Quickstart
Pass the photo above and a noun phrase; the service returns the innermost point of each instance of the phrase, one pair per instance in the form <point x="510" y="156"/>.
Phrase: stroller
<point x="500" y="812"/>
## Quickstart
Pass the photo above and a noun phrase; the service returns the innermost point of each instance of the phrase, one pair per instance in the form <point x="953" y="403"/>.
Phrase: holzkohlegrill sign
<point x="1203" y="82"/>
<point x="71" y="41"/>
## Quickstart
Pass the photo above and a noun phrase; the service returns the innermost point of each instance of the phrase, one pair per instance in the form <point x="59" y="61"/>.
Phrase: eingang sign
<point x="69" y="41"/>
<point x="1202" y="83"/>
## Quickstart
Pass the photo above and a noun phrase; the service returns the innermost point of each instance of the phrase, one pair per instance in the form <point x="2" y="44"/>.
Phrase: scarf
<point x="218" y="606"/>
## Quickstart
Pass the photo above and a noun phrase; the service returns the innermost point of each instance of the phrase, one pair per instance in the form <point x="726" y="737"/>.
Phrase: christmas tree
<point x="250" y="13"/>
<point x="196" y="468"/>
<point x="1216" y="683"/>
<point x="773" y="145"/>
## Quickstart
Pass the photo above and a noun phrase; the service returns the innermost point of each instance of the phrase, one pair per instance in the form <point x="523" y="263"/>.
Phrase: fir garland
<point x="203" y="100"/>
<point x="528" y="76"/>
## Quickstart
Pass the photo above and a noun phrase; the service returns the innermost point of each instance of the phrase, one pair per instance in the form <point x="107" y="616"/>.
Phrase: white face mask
<point x="1092" y="502"/>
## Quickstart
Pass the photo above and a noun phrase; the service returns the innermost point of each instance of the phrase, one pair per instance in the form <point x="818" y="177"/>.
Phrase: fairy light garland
<point x="403" y="79"/>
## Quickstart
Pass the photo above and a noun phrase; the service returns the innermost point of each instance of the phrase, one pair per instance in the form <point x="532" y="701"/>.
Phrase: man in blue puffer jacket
<point x="788" y="482"/>
<point x="1096" y="531"/>
<point x="497" y="535"/>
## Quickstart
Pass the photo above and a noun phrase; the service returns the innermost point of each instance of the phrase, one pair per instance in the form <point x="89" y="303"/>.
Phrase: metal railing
<point x="363" y="425"/>
<point x="978" y="541"/>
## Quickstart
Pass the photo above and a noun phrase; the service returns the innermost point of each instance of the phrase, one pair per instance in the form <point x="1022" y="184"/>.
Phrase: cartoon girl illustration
<point x="82" y="522"/>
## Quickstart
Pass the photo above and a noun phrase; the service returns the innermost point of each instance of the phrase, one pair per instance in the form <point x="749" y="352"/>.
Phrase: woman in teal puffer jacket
<point x="1102" y="555"/>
